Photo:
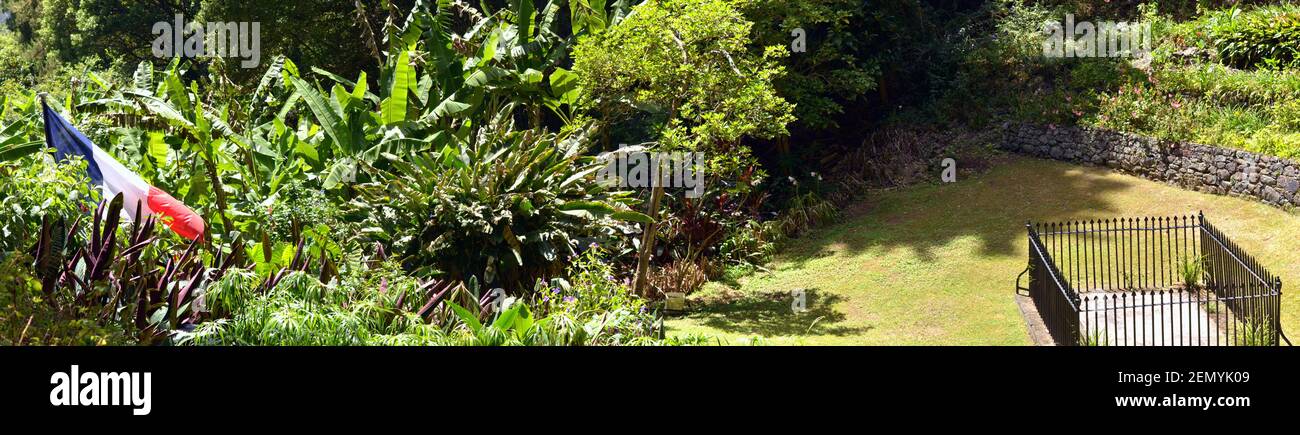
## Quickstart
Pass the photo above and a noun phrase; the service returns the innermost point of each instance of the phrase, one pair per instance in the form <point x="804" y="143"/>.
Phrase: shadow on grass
<point x="771" y="314"/>
<point x="992" y="207"/>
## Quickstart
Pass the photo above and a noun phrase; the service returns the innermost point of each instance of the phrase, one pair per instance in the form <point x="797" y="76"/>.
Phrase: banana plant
<point x="434" y="80"/>
<point x="506" y="56"/>
<point x="537" y="44"/>
<point x="22" y="136"/>
<point x="14" y="144"/>
<point x="350" y="133"/>
<point x="179" y="110"/>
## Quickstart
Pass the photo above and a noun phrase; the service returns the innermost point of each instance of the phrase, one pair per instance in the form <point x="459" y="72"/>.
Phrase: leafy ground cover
<point x="1223" y="75"/>
<point x="936" y="264"/>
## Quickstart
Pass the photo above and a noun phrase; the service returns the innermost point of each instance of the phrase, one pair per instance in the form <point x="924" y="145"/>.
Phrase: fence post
<point x="1277" y="311"/>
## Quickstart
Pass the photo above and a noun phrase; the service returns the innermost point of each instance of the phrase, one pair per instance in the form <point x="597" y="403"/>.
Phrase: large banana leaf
<point x="394" y="107"/>
<point x="329" y="120"/>
<point x="19" y="150"/>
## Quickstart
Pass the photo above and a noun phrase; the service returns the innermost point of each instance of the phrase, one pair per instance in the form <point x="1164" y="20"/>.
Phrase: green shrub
<point x="297" y="206"/>
<point x="301" y="310"/>
<point x="27" y="318"/>
<point x="1190" y="270"/>
<point x="231" y="293"/>
<point x="34" y="187"/>
<point x="379" y="307"/>
<point x="752" y="243"/>
<point x="591" y="287"/>
<point x="1263" y="37"/>
<point x="1092" y="339"/>
<point x="507" y="208"/>
<point x="691" y="60"/>
<point x="1273" y="141"/>
<point x="1286" y="114"/>
<point x="1254" y="333"/>
<point x="1229" y="86"/>
<point x="15" y="65"/>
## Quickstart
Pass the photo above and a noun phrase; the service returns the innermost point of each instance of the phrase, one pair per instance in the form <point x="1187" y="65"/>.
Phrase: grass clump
<point x="1191" y="270"/>
<point x="1255" y="333"/>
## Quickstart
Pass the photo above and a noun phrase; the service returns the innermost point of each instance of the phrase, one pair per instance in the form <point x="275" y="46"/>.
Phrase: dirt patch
<point x="858" y="209"/>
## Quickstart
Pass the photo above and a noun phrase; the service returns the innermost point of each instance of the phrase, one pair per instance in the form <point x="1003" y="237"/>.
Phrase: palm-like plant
<point x="508" y="204"/>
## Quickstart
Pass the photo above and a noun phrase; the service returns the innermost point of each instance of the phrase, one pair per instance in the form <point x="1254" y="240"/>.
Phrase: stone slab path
<point x="1134" y="319"/>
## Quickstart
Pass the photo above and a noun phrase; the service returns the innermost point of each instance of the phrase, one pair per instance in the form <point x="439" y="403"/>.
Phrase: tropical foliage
<point x="434" y="198"/>
<point x="425" y="171"/>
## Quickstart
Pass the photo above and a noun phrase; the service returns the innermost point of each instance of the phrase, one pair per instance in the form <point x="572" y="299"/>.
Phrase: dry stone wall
<point x="1198" y="167"/>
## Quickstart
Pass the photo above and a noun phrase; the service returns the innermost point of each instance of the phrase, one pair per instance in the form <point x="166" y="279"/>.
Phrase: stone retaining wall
<point x="1197" y="167"/>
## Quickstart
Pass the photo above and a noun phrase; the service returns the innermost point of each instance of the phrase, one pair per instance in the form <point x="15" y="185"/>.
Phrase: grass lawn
<point x="937" y="264"/>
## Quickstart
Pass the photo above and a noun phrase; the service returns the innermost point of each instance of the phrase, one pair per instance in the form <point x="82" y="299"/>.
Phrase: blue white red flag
<point x="109" y="174"/>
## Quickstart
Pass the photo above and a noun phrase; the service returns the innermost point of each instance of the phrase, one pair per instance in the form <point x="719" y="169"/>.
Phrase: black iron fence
<point x="1165" y="281"/>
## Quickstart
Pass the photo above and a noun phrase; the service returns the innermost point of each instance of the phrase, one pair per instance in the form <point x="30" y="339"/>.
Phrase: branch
<point x="677" y="37"/>
<point x="730" y="61"/>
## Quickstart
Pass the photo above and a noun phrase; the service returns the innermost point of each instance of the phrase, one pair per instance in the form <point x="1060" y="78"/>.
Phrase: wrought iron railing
<point x="1150" y="281"/>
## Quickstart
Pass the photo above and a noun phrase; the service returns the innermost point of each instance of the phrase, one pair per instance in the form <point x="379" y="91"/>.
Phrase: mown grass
<point x="937" y="264"/>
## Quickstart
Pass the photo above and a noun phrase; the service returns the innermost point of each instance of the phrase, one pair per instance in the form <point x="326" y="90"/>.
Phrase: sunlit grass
<point x="937" y="264"/>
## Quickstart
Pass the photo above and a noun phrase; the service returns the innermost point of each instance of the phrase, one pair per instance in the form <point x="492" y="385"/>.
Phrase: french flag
<point x="107" y="172"/>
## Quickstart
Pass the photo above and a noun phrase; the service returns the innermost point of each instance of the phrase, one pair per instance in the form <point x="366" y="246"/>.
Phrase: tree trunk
<point x="648" y="244"/>
<point x="220" y="191"/>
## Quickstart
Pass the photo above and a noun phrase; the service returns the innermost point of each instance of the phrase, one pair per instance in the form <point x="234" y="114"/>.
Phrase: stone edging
<point x="1203" y="168"/>
<point x="1034" y="322"/>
